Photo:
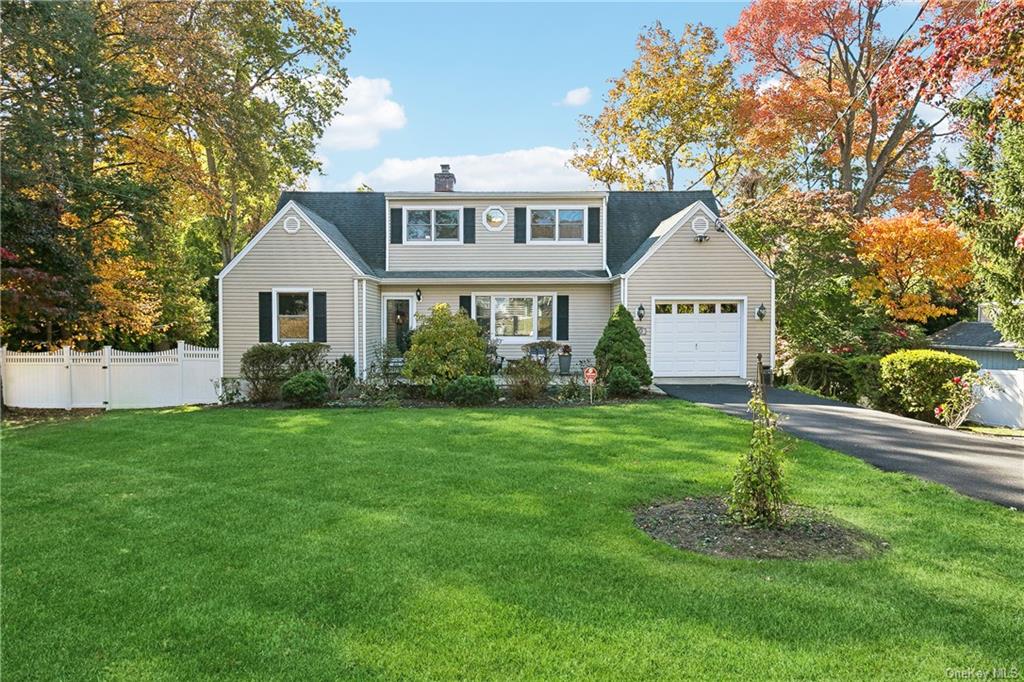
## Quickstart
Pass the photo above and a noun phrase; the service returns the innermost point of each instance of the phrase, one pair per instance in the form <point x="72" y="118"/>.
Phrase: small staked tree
<point x="621" y="346"/>
<point x="758" y="493"/>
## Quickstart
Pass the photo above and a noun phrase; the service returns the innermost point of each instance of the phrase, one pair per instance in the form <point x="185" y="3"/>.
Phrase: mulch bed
<point x="703" y="525"/>
<point x="15" y="417"/>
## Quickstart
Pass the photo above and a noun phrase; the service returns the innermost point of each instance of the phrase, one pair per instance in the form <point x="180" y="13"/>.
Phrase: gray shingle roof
<point x="980" y="335"/>
<point x="498" y="274"/>
<point x="356" y="223"/>
<point x="358" y="216"/>
<point x="633" y="216"/>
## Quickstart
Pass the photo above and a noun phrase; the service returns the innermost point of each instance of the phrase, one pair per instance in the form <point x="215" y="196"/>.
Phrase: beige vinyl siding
<point x="589" y="306"/>
<point x="717" y="269"/>
<point x="496" y="250"/>
<point x="616" y="297"/>
<point x="373" y="323"/>
<point x="279" y="259"/>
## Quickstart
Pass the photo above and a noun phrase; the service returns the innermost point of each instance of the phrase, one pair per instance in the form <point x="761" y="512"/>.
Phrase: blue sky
<point x="494" y="89"/>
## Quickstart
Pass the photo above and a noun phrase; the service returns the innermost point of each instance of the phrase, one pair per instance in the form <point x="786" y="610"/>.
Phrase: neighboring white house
<point x="982" y="342"/>
<point x="353" y="269"/>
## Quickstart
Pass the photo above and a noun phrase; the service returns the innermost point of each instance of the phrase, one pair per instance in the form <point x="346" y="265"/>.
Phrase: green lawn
<point x="486" y="544"/>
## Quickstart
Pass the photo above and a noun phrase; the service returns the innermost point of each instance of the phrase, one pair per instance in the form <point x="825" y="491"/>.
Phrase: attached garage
<point x="699" y="337"/>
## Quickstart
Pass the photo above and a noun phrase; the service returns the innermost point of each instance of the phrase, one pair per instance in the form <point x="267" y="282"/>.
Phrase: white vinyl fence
<point x="110" y="379"/>
<point x="1002" y="406"/>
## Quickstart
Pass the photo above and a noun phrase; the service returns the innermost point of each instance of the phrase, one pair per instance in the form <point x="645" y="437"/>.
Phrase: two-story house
<point x="353" y="269"/>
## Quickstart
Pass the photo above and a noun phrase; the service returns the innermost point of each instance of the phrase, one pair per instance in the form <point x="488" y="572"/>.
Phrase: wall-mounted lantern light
<point x="640" y="312"/>
<point x="761" y="311"/>
<point x="419" y="295"/>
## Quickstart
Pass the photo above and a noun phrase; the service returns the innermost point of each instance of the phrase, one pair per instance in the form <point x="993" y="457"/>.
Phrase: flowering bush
<point x="963" y="395"/>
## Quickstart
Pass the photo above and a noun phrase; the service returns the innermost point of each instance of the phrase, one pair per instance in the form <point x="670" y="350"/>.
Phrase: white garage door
<point x="698" y="338"/>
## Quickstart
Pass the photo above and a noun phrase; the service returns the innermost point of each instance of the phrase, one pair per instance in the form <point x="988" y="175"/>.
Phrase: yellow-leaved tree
<point x="675" y="105"/>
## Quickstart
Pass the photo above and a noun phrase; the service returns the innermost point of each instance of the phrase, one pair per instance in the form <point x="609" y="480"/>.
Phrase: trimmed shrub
<point x="264" y="368"/>
<point x="825" y="373"/>
<point x="527" y="379"/>
<point x="867" y="379"/>
<point x="471" y="390"/>
<point x="621" y="346"/>
<point x="307" y="388"/>
<point x="621" y="383"/>
<point x="912" y="381"/>
<point x="446" y="346"/>
<point x="303" y="357"/>
<point x="349" y="363"/>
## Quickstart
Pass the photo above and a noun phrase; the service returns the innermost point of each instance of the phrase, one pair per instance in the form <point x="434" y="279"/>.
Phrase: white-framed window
<point x="433" y="225"/>
<point x="556" y="224"/>
<point x="516" y="317"/>
<point x="293" y="315"/>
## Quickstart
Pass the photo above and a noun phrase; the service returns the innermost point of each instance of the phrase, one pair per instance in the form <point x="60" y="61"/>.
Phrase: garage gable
<point x="696" y="226"/>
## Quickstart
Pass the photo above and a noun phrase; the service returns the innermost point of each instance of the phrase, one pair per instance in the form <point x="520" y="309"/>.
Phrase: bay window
<point x="433" y="225"/>
<point x="556" y="225"/>
<point x="523" y="317"/>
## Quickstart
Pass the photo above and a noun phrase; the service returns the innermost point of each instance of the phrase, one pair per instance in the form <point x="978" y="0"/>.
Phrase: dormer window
<point x="567" y="224"/>
<point x="427" y="225"/>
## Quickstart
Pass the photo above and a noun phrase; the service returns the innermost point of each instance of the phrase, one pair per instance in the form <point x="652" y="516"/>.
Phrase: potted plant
<point x="565" y="360"/>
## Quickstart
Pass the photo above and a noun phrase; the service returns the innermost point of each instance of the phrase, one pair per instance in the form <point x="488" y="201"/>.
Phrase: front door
<point x="398" y="313"/>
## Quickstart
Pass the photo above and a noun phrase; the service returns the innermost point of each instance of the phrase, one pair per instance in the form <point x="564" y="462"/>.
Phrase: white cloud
<point x="539" y="168"/>
<point x="367" y="112"/>
<point x="576" y="97"/>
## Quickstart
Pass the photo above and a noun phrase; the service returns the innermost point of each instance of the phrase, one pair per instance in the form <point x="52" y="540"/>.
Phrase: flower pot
<point x="564" y="364"/>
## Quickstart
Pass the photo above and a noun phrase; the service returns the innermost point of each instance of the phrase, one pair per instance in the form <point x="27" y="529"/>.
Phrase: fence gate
<point x="110" y="378"/>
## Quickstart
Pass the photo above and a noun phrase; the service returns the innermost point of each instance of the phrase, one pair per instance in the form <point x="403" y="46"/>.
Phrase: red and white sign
<point x="590" y="376"/>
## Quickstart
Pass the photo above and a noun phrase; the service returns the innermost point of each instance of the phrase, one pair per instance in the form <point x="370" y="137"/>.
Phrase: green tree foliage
<point x="827" y="374"/>
<point x="620" y="345"/>
<point x="986" y="201"/>
<point x="621" y="383"/>
<point x="143" y="143"/>
<point x="445" y="346"/>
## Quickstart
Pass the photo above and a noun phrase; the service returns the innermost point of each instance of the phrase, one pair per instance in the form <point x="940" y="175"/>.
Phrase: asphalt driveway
<point x="985" y="467"/>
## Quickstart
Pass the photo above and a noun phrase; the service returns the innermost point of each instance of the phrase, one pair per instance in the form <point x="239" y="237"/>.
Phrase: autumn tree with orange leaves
<point x="917" y="263"/>
<point x="814" y="65"/>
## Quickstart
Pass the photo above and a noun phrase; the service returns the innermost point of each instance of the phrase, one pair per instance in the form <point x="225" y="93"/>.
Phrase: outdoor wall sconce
<point x="761" y="311"/>
<point x="640" y="312"/>
<point x="419" y="295"/>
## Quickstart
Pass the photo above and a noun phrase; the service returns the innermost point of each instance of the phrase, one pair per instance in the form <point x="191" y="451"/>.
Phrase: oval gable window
<point x="291" y="224"/>
<point x="495" y="218"/>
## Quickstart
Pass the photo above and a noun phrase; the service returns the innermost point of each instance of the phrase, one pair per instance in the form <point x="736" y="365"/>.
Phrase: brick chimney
<point x="445" y="180"/>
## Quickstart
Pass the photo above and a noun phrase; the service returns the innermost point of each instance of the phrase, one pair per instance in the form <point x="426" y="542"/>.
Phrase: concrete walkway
<point x="985" y="467"/>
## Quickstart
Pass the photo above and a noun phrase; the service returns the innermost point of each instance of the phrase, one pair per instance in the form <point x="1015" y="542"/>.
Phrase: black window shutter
<point x="594" y="225"/>
<point x="320" y="316"/>
<point x="396" y="226"/>
<point x="266" y="314"/>
<point x="469" y="226"/>
<point x="520" y="226"/>
<point x="562" y="320"/>
<point x="466" y="303"/>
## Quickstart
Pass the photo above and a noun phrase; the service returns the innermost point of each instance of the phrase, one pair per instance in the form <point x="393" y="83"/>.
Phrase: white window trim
<point x="558" y="238"/>
<point x="536" y="313"/>
<point x="309" y="306"/>
<point x="433" y="227"/>
<point x="384" y="298"/>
